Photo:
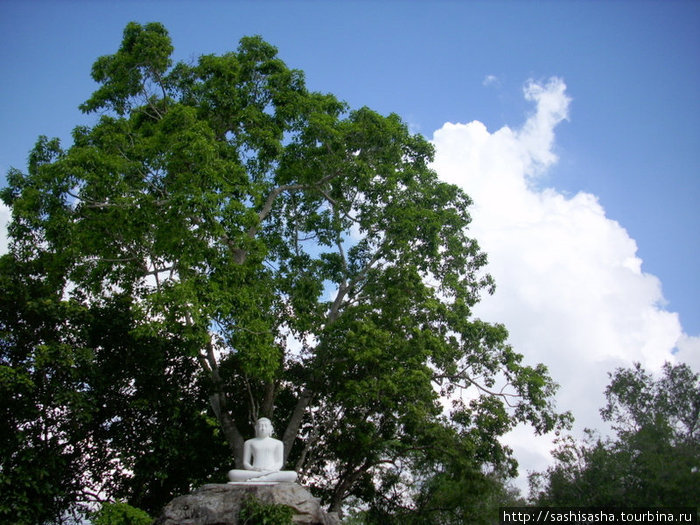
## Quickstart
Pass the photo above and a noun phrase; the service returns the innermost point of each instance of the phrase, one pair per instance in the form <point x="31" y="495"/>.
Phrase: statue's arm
<point x="279" y="449"/>
<point x="248" y="456"/>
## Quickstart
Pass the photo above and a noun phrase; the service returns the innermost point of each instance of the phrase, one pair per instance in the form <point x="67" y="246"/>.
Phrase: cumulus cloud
<point x="570" y="286"/>
<point x="689" y="351"/>
<point x="4" y="221"/>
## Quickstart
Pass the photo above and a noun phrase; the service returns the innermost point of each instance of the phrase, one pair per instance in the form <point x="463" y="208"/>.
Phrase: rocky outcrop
<point x="220" y="504"/>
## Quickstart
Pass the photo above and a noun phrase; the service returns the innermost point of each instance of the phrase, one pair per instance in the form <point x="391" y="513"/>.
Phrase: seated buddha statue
<point x="262" y="458"/>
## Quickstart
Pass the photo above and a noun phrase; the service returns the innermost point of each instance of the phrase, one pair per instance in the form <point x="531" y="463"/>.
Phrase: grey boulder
<point x="216" y="504"/>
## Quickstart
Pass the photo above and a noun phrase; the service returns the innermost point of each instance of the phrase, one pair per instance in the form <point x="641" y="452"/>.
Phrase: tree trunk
<point x="294" y="424"/>
<point x="344" y="486"/>
<point x="234" y="438"/>
<point x="219" y="404"/>
<point x="268" y="405"/>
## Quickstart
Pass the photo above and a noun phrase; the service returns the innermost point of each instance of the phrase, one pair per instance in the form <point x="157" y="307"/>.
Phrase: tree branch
<point x="455" y="379"/>
<point x="343" y="290"/>
<point x="219" y="401"/>
<point x="240" y="254"/>
<point x="290" y="433"/>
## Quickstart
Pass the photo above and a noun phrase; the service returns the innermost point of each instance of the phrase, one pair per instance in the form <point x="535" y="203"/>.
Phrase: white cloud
<point x="570" y="287"/>
<point x="689" y="351"/>
<point x="4" y="221"/>
<point x="491" y="80"/>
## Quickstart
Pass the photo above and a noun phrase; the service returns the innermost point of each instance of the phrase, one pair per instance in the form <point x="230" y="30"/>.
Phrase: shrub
<point x="255" y="512"/>
<point x="119" y="513"/>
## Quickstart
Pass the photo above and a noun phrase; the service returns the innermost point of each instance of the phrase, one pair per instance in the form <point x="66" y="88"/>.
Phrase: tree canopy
<point x="654" y="459"/>
<point x="224" y="244"/>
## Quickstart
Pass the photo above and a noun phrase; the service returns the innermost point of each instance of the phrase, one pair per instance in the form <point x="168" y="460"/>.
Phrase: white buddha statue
<point x="262" y="458"/>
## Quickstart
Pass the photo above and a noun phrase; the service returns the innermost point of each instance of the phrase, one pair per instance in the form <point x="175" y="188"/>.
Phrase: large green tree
<point x="276" y="254"/>
<point x="83" y="395"/>
<point x="654" y="458"/>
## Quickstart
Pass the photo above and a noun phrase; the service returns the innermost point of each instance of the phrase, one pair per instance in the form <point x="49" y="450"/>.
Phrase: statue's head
<point x="263" y="427"/>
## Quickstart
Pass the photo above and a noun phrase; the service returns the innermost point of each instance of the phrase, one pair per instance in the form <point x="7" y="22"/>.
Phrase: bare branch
<point x="251" y="399"/>
<point x="114" y="260"/>
<point x="344" y="213"/>
<point x="89" y="203"/>
<point x="267" y="208"/>
<point x="240" y="254"/>
<point x="310" y="442"/>
<point x="467" y="382"/>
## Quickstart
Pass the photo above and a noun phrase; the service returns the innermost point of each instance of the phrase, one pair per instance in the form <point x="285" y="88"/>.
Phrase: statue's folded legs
<point x="242" y="476"/>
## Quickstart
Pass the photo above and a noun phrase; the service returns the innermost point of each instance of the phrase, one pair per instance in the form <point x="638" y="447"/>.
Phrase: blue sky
<point x="601" y="96"/>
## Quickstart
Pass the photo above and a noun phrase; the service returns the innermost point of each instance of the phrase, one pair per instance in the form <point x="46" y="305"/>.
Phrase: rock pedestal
<point x="220" y="504"/>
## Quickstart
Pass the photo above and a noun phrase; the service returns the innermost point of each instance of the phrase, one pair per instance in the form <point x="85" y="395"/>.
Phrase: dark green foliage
<point x="222" y="244"/>
<point x="42" y="404"/>
<point x="654" y="459"/>
<point x="83" y="393"/>
<point x="255" y="512"/>
<point x="149" y="398"/>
